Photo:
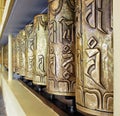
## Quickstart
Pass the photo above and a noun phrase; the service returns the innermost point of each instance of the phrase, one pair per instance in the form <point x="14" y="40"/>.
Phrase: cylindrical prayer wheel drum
<point x="40" y="49"/>
<point x="94" y="57"/>
<point x="29" y="51"/>
<point x="61" y="52"/>
<point x="17" y="53"/>
<point x="22" y="52"/>
<point x="5" y="56"/>
<point x="0" y="58"/>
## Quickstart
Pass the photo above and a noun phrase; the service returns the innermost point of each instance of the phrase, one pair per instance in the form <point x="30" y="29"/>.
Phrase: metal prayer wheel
<point x="94" y="57"/>
<point x="29" y="52"/>
<point x="0" y="59"/>
<point x="22" y="52"/>
<point x="17" y="53"/>
<point x="5" y="56"/>
<point x="61" y="48"/>
<point x="40" y="49"/>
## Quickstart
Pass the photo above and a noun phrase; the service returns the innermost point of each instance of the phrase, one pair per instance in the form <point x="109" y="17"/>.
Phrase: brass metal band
<point x="90" y="112"/>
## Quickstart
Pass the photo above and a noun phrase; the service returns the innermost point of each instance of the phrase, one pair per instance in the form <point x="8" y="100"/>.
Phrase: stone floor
<point x="2" y="107"/>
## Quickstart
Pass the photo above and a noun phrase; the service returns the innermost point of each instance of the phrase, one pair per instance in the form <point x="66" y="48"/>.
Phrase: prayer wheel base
<point x="89" y="112"/>
<point x="38" y="83"/>
<point x="60" y="93"/>
<point x="27" y="78"/>
<point x="28" y="82"/>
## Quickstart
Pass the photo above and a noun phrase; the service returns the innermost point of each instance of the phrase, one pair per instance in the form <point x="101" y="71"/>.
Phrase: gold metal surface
<point x="94" y="57"/>
<point x="0" y="57"/>
<point x="17" y="45"/>
<point x="40" y="49"/>
<point x="22" y="52"/>
<point x="29" y="52"/>
<point x="61" y="51"/>
<point x="5" y="56"/>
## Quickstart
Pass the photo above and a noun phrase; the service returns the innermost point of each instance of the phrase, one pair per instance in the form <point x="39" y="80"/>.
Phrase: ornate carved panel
<point x="61" y="51"/>
<point x="94" y="56"/>
<point x="40" y="48"/>
<point x="22" y="52"/>
<point x="29" y="51"/>
<point x="5" y="56"/>
<point x="0" y="57"/>
<point x="18" y="52"/>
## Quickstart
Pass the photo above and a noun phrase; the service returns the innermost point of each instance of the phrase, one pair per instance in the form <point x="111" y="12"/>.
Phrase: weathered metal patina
<point x="94" y="57"/>
<point x="22" y="52"/>
<point x="29" y="52"/>
<point x="40" y="48"/>
<point x="61" y="52"/>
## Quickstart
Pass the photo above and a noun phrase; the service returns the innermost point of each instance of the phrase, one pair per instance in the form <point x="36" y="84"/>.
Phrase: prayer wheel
<point x="17" y="53"/>
<point x="40" y="49"/>
<point x="61" y="48"/>
<point x="22" y="52"/>
<point x="0" y="59"/>
<point x="5" y="56"/>
<point x="29" y="52"/>
<point x="94" y="57"/>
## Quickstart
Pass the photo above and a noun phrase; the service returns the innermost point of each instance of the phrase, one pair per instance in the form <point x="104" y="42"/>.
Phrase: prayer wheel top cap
<point x="50" y="0"/>
<point x="44" y="17"/>
<point x="29" y="25"/>
<point x="22" y="32"/>
<point x="38" y="15"/>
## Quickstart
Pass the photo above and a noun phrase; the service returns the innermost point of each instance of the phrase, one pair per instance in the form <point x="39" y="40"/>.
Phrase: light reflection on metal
<point x="94" y="57"/>
<point x="5" y="56"/>
<point x="61" y="51"/>
<point x="29" y="52"/>
<point x="22" y="52"/>
<point x="17" y="45"/>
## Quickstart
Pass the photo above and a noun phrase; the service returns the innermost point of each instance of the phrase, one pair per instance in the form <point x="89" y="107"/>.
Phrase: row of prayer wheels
<point x="70" y="51"/>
